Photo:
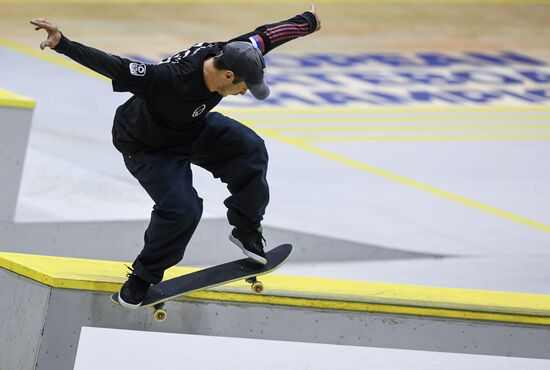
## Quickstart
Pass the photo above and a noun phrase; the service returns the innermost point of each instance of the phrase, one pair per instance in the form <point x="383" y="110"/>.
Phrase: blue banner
<point x="401" y="79"/>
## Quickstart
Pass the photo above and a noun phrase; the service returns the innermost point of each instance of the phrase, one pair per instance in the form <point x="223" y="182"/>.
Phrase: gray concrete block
<point x="15" y="125"/>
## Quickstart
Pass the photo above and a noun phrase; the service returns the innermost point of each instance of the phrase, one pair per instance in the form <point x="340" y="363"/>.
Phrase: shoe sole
<point x="126" y="304"/>
<point x="259" y="259"/>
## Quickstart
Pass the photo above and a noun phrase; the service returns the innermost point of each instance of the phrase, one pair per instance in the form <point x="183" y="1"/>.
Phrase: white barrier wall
<point x="101" y="348"/>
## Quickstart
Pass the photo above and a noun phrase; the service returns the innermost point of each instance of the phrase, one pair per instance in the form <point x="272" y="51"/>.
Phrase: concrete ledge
<point x="15" y="124"/>
<point x="47" y="300"/>
<point x="314" y="293"/>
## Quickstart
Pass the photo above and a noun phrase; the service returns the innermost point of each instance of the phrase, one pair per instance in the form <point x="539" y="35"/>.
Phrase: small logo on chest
<point x="199" y="110"/>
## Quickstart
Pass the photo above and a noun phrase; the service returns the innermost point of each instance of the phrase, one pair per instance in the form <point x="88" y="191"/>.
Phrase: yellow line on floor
<point x="411" y="117"/>
<point x="423" y="138"/>
<point x="405" y="181"/>
<point x="478" y="127"/>
<point x="392" y="109"/>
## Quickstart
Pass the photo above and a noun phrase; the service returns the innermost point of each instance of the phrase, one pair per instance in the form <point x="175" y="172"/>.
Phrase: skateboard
<point x="211" y="277"/>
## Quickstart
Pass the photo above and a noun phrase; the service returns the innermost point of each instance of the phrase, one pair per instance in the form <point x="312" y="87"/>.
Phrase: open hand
<point x="313" y="10"/>
<point x="53" y="32"/>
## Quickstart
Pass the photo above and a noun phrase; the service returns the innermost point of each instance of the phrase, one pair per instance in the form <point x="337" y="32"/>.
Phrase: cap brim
<point x="259" y="90"/>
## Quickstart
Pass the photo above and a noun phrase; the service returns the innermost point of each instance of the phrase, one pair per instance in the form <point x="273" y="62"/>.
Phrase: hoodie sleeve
<point x="270" y="36"/>
<point x="126" y="75"/>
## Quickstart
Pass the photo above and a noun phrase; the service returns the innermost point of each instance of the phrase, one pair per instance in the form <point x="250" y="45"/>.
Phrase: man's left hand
<point x="313" y="10"/>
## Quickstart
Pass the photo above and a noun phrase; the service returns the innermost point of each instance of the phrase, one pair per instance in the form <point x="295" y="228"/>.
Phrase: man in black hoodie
<point x="167" y="125"/>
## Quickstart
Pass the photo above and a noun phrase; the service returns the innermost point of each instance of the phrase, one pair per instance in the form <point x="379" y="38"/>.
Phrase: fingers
<point x="43" y="23"/>
<point x="47" y="44"/>
<point x="313" y="9"/>
<point x="37" y="22"/>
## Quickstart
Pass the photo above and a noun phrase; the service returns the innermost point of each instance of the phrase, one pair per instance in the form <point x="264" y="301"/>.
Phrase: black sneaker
<point x="133" y="291"/>
<point x="251" y="242"/>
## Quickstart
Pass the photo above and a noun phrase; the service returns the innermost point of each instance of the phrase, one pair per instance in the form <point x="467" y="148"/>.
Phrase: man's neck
<point x="209" y="74"/>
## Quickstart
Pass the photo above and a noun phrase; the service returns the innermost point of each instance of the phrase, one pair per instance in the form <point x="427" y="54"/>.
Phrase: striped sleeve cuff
<point x="258" y="42"/>
<point x="287" y="31"/>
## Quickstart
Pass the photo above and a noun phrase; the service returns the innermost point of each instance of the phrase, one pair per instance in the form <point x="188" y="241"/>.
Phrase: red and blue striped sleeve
<point x="270" y="36"/>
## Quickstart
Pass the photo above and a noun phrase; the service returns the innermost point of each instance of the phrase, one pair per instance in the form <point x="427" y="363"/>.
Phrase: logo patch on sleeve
<point x="138" y="69"/>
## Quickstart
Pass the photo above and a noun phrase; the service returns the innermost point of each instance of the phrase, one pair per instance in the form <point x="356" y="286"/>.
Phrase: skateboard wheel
<point x="159" y="315"/>
<point x="257" y="287"/>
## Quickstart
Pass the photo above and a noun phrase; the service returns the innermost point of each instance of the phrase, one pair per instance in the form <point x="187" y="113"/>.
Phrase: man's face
<point x="233" y="89"/>
<point x="227" y="87"/>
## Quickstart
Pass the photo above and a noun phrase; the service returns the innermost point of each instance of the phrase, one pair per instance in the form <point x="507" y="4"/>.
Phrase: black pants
<point x="231" y="152"/>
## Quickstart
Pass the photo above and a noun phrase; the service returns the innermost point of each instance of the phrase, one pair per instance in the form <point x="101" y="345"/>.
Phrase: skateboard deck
<point x="211" y="277"/>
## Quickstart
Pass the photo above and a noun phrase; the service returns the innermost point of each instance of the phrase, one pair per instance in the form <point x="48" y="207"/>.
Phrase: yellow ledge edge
<point x="305" y="292"/>
<point x="324" y="304"/>
<point x="12" y="100"/>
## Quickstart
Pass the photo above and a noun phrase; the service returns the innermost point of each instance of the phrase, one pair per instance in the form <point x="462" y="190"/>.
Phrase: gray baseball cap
<point x="247" y="62"/>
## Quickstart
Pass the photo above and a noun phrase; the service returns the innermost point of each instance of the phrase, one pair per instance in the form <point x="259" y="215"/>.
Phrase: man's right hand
<point x="53" y="32"/>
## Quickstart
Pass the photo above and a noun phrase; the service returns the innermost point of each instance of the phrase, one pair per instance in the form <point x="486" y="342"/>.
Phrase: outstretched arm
<point x="97" y="60"/>
<point x="126" y="74"/>
<point x="270" y="36"/>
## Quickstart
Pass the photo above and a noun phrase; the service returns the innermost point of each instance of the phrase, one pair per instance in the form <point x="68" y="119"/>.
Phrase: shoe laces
<point x="260" y="237"/>
<point x="135" y="282"/>
<point x="130" y="273"/>
<point x="262" y="240"/>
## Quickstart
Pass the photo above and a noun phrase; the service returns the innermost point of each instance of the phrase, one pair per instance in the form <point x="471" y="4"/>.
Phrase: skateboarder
<point x="167" y="125"/>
